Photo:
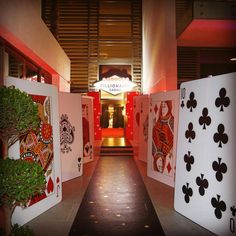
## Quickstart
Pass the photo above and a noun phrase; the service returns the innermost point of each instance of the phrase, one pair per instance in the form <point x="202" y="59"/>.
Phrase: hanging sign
<point x="115" y="85"/>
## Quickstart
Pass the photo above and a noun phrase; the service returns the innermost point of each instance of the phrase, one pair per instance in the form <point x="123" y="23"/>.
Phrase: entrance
<point x="113" y="117"/>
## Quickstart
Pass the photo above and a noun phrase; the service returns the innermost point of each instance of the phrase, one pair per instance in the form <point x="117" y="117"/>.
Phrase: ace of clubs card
<point x="205" y="189"/>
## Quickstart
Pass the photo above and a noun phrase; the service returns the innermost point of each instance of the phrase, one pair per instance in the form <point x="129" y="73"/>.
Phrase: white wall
<point x="22" y="26"/>
<point x="159" y="46"/>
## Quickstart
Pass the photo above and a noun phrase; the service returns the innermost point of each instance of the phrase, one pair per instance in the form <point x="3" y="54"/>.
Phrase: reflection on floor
<point x="116" y="142"/>
<point x="116" y="202"/>
<point x="58" y="220"/>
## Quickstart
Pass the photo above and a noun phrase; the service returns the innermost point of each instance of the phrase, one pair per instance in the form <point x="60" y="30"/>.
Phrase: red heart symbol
<point x="58" y="180"/>
<point x="50" y="185"/>
<point x="137" y="118"/>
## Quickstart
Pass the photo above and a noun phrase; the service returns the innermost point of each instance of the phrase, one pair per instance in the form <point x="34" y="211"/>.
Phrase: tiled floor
<point x="58" y="220"/>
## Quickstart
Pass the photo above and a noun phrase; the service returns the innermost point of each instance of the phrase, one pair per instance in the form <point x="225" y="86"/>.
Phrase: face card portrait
<point x="41" y="146"/>
<point x="163" y="118"/>
<point x="71" y="142"/>
<point x="205" y="189"/>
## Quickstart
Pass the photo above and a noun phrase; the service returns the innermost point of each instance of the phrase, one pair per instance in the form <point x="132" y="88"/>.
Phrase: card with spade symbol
<point x="205" y="189"/>
<point x="70" y="135"/>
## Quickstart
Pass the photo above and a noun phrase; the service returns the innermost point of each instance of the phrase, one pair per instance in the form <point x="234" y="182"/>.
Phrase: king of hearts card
<point x="205" y="189"/>
<point x="41" y="146"/>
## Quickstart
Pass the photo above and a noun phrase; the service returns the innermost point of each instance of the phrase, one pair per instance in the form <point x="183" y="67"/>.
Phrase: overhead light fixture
<point x="233" y="59"/>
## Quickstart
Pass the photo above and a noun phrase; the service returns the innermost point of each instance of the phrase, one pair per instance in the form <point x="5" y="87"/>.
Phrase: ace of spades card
<point x="71" y="135"/>
<point x="41" y="146"/>
<point x="205" y="189"/>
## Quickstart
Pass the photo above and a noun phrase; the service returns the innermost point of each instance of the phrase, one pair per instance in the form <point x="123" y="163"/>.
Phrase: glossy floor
<point x="58" y="220"/>
<point x="116" y="202"/>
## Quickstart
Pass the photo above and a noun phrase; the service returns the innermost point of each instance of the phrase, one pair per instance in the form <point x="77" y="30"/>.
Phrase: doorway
<point x="113" y="116"/>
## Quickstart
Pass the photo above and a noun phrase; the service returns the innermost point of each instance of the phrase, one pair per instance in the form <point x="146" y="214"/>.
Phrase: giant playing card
<point x="41" y="146"/>
<point x="162" y="136"/>
<point x="88" y="129"/>
<point x="205" y="189"/>
<point x="71" y="135"/>
<point x="143" y="127"/>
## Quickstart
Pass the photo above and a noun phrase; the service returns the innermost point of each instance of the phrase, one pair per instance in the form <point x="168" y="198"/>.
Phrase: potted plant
<point x="19" y="180"/>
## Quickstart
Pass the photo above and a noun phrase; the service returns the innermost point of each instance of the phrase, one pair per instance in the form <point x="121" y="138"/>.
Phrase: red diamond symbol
<point x="156" y="108"/>
<point x="169" y="168"/>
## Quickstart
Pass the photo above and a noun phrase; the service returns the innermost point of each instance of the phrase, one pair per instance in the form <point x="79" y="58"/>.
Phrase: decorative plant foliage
<point x="19" y="181"/>
<point x="18" y="114"/>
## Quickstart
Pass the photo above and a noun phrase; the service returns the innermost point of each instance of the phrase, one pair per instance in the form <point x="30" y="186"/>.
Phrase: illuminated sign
<point x="115" y="85"/>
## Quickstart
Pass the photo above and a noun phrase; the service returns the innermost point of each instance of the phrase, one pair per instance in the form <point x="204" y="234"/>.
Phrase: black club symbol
<point x="220" y="168"/>
<point x="233" y="209"/>
<point x="222" y="101"/>
<point x="191" y="103"/>
<point x="220" y="137"/>
<point x="205" y="119"/>
<point x="202" y="183"/>
<point x="219" y="206"/>
<point x="188" y="192"/>
<point x="189" y="160"/>
<point x="190" y="133"/>
<point x="182" y="104"/>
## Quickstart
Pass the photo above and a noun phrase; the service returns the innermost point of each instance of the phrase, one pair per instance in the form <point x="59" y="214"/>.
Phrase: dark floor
<point x="116" y="202"/>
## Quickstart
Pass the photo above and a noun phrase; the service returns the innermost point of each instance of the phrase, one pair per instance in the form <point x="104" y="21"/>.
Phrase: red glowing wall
<point x="130" y="114"/>
<point x="96" y="114"/>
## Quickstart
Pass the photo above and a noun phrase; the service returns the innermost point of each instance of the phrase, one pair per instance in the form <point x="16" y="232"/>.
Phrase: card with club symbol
<point x="205" y="189"/>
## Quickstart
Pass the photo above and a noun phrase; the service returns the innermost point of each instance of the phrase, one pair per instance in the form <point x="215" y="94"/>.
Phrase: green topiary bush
<point x="19" y="181"/>
<point x="18" y="114"/>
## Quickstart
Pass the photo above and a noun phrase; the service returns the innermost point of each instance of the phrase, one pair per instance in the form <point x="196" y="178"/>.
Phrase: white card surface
<point x="88" y="129"/>
<point x="162" y="136"/>
<point x="71" y="135"/>
<point x="43" y="147"/>
<point x="205" y="189"/>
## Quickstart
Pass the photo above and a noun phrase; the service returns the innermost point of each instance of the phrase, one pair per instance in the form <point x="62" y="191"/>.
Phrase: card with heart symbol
<point x="40" y="146"/>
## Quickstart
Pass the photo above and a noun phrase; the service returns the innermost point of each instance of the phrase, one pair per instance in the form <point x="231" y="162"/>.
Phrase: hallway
<point x="116" y="202"/>
<point x="59" y="219"/>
